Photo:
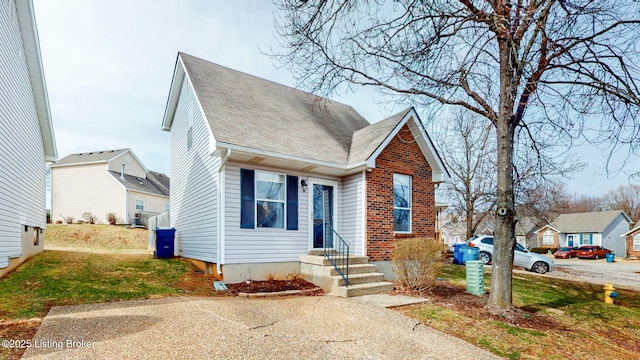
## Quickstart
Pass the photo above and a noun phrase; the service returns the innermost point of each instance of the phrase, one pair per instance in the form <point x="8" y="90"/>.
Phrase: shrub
<point x="111" y="218"/>
<point x="417" y="262"/>
<point x="67" y="219"/>
<point x="89" y="217"/>
<point x="543" y="250"/>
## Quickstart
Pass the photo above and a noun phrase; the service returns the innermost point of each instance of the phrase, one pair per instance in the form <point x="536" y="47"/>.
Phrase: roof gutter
<point x="221" y="216"/>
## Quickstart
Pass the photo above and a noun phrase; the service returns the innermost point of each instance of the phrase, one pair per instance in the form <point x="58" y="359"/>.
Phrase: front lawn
<point x="559" y="320"/>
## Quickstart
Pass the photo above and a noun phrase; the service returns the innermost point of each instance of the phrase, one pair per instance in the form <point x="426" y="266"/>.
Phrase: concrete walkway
<point x="295" y="327"/>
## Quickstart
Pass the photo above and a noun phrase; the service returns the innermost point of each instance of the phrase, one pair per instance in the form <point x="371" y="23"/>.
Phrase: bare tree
<point x="464" y="143"/>
<point x="625" y="198"/>
<point x="570" y="66"/>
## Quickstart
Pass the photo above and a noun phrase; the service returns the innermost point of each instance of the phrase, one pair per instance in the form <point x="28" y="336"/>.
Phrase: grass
<point x="64" y="278"/>
<point x="95" y="237"/>
<point x="581" y="325"/>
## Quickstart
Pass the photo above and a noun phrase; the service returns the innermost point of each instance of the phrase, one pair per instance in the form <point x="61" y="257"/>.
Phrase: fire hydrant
<point x="609" y="293"/>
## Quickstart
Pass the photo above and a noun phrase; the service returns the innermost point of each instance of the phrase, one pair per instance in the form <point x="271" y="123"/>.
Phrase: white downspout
<point x="221" y="206"/>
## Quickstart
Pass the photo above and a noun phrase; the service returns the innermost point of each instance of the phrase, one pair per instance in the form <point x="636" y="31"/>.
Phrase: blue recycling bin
<point x="458" y="253"/>
<point x="470" y="253"/>
<point x="164" y="243"/>
<point x="610" y="257"/>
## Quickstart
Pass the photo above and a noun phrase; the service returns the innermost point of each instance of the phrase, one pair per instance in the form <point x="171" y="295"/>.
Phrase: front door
<point x="323" y="203"/>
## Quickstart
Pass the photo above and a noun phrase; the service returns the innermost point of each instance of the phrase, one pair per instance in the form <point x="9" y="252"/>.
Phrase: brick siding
<point x="402" y="156"/>
<point x="630" y="253"/>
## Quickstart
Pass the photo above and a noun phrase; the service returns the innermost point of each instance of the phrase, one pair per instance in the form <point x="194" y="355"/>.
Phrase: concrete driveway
<point x="294" y="327"/>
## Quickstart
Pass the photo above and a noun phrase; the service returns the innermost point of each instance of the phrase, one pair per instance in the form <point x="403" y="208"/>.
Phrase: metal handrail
<point x="338" y="255"/>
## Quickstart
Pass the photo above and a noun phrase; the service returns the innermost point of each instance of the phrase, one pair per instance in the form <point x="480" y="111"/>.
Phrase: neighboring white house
<point x="604" y="228"/>
<point x="263" y="174"/>
<point x="103" y="182"/>
<point x="27" y="142"/>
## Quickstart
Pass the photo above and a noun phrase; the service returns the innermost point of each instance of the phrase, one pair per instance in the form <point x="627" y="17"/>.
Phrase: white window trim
<point x="311" y="183"/>
<point x="546" y="235"/>
<point x="410" y="208"/>
<point x="136" y="204"/>
<point x="256" y="199"/>
<point x="636" y="242"/>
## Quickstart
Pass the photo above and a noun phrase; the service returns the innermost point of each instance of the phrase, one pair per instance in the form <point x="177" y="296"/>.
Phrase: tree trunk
<point x="500" y="297"/>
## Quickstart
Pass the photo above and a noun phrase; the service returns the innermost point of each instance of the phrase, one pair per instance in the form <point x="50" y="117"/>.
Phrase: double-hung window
<point x="139" y="204"/>
<point x="548" y="238"/>
<point x="268" y="200"/>
<point x="636" y="242"/>
<point x="401" y="203"/>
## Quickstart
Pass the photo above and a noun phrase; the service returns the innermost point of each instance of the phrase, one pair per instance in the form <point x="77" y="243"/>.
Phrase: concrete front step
<point x="353" y="269"/>
<point x="355" y="279"/>
<point x="362" y="289"/>
<point x="322" y="261"/>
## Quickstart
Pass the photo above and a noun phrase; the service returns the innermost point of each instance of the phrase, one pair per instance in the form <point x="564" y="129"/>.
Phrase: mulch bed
<point x="270" y="286"/>
<point x="456" y="298"/>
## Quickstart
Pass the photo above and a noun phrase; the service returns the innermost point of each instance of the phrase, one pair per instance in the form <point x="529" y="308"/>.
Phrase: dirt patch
<point x="456" y="298"/>
<point x="19" y="331"/>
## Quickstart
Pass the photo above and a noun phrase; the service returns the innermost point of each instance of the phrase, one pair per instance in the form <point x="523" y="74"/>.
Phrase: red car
<point x="592" y="252"/>
<point x="566" y="252"/>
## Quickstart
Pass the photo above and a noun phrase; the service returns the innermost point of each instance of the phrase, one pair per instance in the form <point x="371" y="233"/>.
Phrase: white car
<point x="521" y="256"/>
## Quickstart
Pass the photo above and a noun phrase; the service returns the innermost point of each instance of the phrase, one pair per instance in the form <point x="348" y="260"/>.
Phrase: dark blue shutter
<point x="247" y="199"/>
<point x="292" y="202"/>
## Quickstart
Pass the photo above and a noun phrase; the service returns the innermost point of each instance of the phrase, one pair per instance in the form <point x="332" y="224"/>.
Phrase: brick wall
<point x="556" y="239"/>
<point x="402" y="156"/>
<point x="630" y="253"/>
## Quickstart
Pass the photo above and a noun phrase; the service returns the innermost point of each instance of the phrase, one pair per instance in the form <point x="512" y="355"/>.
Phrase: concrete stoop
<point x="363" y="278"/>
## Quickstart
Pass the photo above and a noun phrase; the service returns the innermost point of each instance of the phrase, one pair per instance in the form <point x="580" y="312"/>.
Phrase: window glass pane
<point x="401" y="191"/>
<point x="270" y="214"/>
<point x="636" y="243"/>
<point x="401" y="220"/>
<point x="269" y="186"/>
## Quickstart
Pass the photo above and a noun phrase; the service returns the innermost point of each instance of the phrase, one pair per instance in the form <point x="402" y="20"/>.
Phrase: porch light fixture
<point x="303" y="183"/>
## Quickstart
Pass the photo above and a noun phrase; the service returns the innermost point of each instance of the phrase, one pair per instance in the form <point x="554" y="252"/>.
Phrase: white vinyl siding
<point x="352" y="212"/>
<point x="194" y="184"/>
<point x="22" y="155"/>
<point x="133" y="167"/>
<point x="71" y="186"/>
<point x="261" y="244"/>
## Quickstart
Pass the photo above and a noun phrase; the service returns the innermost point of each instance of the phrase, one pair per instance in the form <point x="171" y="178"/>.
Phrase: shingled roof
<point x="155" y="183"/>
<point x="245" y="109"/>
<point x="261" y="117"/>
<point x="596" y="221"/>
<point x="90" y="157"/>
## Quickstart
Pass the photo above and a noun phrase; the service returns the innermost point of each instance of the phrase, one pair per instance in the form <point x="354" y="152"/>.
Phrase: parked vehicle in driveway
<point x="566" y="252"/>
<point x="592" y="252"/>
<point x="521" y="257"/>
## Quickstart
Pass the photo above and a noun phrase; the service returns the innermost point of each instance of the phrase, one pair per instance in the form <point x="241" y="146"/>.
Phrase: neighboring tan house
<point x="632" y="238"/>
<point x="103" y="182"/>
<point x="603" y="228"/>
<point x="453" y="233"/>
<point x="526" y="231"/>
<point x="27" y="142"/>
<point x="262" y="173"/>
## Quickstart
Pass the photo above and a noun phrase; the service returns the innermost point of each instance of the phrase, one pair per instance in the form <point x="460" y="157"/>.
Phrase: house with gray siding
<point x="27" y="141"/>
<point x="603" y="228"/>
<point x="264" y="174"/>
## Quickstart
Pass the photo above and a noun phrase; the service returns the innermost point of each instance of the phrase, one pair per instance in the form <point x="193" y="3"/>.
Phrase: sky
<point x="108" y="68"/>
